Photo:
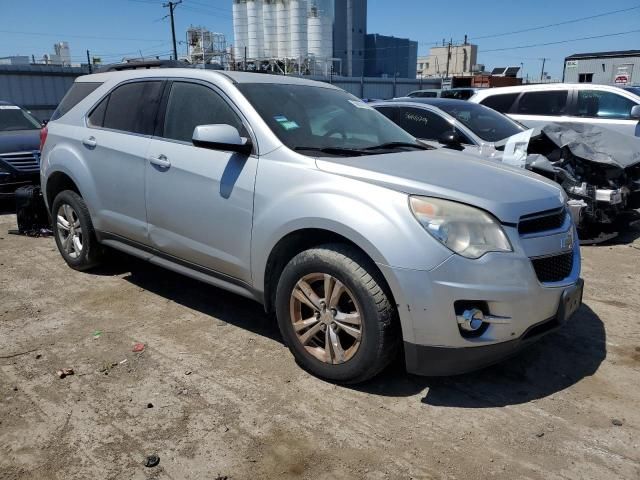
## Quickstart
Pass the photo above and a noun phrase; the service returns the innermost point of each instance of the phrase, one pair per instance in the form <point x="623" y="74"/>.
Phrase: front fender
<point x="292" y="197"/>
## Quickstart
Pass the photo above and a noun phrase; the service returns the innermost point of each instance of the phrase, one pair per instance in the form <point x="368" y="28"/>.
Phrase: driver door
<point x="200" y="200"/>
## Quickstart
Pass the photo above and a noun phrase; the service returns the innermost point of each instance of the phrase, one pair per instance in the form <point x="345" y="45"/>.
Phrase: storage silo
<point x="320" y="33"/>
<point x="282" y="28"/>
<point x="240" y="31"/>
<point x="270" y="32"/>
<point x="255" y="29"/>
<point x="298" y="28"/>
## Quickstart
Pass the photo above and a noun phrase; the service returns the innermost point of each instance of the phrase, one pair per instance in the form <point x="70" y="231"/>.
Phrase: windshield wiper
<point x="392" y="145"/>
<point x="347" y="152"/>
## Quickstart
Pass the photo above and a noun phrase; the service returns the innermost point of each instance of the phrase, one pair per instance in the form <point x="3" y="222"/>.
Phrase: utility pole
<point x="448" y="57"/>
<point x="172" y="6"/>
<point x="89" y="62"/>
<point x="544" y="60"/>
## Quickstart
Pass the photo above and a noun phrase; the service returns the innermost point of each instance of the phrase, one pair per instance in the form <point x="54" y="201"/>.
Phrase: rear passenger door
<point x="115" y="146"/>
<point x="538" y="108"/>
<point x="199" y="200"/>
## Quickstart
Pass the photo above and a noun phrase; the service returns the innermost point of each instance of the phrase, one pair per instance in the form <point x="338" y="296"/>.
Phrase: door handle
<point x="90" y="142"/>
<point x="160" y="161"/>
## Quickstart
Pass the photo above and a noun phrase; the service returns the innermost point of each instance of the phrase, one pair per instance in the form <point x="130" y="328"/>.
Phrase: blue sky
<point x="116" y="28"/>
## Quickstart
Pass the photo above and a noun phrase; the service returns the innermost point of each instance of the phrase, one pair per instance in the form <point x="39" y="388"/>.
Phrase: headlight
<point x="466" y="230"/>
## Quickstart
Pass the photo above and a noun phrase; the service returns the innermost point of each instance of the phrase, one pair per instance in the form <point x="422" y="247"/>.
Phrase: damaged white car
<point x="598" y="168"/>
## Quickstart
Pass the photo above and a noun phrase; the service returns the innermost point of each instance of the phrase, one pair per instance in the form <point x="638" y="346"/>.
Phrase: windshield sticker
<point x="290" y="125"/>
<point x="515" y="151"/>
<point x="280" y="118"/>
<point x="9" y="107"/>
<point x="360" y="104"/>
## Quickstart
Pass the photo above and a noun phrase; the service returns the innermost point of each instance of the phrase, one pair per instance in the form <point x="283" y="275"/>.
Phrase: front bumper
<point x="507" y="286"/>
<point x="443" y="361"/>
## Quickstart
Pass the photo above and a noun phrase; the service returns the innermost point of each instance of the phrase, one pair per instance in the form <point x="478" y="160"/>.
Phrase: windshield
<point x="315" y="119"/>
<point x="487" y="124"/>
<point x="14" y="118"/>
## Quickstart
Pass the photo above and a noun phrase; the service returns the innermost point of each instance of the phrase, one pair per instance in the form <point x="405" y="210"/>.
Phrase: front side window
<point x="551" y="103"/>
<point x="14" y="118"/>
<point x="598" y="104"/>
<point x="422" y="123"/>
<point x="486" y="123"/>
<point x="309" y="118"/>
<point x="500" y="103"/>
<point x="192" y="104"/>
<point x="133" y="107"/>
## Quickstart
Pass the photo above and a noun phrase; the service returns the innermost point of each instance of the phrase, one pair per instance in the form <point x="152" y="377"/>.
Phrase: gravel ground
<point x="215" y="394"/>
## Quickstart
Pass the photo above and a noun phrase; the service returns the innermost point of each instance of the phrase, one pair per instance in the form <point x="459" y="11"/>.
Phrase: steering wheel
<point x="333" y="131"/>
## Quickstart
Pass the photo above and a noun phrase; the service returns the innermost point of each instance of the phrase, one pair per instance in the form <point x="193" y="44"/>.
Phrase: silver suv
<point x="299" y="196"/>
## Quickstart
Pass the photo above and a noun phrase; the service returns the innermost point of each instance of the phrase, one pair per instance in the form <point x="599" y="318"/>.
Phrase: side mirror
<point x="451" y="139"/>
<point x="221" y="137"/>
<point x="635" y="112"/>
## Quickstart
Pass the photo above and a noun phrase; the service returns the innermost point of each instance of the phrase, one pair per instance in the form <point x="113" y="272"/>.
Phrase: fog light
<point x="471" y="320"/>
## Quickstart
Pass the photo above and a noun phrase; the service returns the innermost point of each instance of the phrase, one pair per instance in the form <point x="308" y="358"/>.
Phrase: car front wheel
<point x="335" y="314"/>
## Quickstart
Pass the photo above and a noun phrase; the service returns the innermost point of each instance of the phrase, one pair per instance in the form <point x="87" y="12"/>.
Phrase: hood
<point x="19" y="141"/>
<point x="508" y="193"/>
<point x="596" y="144"/>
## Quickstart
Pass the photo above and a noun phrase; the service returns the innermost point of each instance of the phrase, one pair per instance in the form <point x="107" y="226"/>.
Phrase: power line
<point x="559" y="41"/>
<point x="566" y="22"/>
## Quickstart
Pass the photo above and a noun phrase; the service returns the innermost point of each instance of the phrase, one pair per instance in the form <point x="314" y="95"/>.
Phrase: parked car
<point x="459" y="93"/>
<point x="536" y="105"/>
<point x="426" y="93"/>
<point x="300" y="196"/>
<point x="600" y="174"/>
<point x="19" y="149"/>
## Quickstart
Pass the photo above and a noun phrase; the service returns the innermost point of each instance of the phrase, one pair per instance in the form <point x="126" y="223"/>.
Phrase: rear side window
<point x="597" y="104"/>
<point x="500" y="103"/>
<point x="553" y="103"/>
<point x="132" y="107"/>
<point x="190" y="105"/>
<point x="78" y="92"/>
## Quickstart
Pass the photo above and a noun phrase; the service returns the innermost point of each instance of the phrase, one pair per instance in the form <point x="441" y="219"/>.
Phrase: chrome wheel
<point x="326" y="318"/>
<point x="69" y="230"/>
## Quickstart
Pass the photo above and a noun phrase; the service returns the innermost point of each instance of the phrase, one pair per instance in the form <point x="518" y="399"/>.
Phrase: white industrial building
<point x="314" y="35"/>
<point x="449" y="60"/>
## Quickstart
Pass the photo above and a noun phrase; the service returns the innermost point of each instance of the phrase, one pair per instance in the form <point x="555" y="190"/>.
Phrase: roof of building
<point x="616" y="53"/>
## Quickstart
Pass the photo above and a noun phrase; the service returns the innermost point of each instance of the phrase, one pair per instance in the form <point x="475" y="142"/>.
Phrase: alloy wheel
<point x="69" y="230"/>
<point x="326" y="318"/>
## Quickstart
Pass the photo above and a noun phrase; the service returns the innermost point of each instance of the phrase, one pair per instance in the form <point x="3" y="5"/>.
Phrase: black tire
<point x="91" y="252"/>
<point x="380" y="331"/>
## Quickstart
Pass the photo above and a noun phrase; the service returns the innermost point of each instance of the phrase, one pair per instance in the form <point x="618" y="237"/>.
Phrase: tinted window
<point x="423" y="94"/>
<point x="487" y="124"/>
<point x="552" y="102"/>
<point x="389" y="112"/>
<point x="464" y="94"/>
<point x="132" y="107"/>
<point x="500" y="103"/>
<point x="191" y="105"/>
<point x="78" y="92"/>
<point x="96" y="117"/>
<point x="423" y="123"/>
<point x="14" y="118"/>
<point x="596" y="104"/>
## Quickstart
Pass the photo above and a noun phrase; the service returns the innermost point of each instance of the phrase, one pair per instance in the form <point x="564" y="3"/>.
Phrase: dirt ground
<point x="216" y="395"/>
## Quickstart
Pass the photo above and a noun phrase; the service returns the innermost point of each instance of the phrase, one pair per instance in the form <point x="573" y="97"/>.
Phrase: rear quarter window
<point x="501" y="103"/>
<point x="78" y="92"/>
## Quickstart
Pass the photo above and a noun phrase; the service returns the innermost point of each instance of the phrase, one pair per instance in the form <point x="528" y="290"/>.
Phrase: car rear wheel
<point x="73" y="231"/>
<point x="335" y="314"/>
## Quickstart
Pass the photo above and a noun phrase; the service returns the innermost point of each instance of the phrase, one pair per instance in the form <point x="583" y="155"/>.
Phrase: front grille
<point x="26" y="162"/>
<point x="541" y="222"/>
<point x="554" y="268"/>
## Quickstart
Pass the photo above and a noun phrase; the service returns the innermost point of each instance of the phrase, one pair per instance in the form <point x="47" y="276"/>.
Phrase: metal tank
<point x="255" y="29"/>
<point x="240" y="31"/>
<point x="270" y="25"/>
<point x="298" y="28"/>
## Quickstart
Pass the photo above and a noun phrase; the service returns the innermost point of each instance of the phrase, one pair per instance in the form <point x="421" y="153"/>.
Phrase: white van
<point x="537" y="105"/>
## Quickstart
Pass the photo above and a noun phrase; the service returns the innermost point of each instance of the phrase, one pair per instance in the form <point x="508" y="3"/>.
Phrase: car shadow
<point x="556" y="362"/>
<point x="7" y="206"/>
<point x="193" y="294"/>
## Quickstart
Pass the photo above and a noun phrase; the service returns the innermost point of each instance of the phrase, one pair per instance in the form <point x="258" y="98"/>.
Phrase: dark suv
<point x="19" y="149"/>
